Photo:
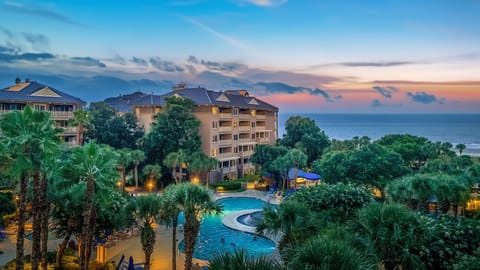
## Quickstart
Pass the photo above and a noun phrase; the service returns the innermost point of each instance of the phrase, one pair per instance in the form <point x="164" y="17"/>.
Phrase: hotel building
<point x="43" y="98"/>
<point x="232" y="125"/>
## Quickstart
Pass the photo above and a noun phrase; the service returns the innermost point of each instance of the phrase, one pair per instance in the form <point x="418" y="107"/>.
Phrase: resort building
<point x="43" y="98"/>
<point x="232" y="125"/>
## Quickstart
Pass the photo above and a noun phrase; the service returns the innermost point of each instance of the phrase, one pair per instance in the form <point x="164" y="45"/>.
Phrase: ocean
<point x="453" y="128"/>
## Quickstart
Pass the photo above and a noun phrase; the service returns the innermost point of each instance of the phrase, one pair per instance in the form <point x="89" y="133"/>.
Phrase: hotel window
<point x="235" y="149"/>
<point x="253" y="136"/>
<point x="235" y="111"/>
<point x="214" y="110"/>
<point x="39" y="107"/>
<point x="235" y="137"/>
<point x="253" y="112"/>
<point x="253" y="124"/>
<point x="234" y="124"/>
<point x="214" y="124"/>
<point x="214" y="138"/>
<point x="214" y="152"/>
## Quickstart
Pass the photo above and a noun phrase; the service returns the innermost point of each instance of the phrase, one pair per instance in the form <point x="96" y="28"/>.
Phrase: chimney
<point x="17" y="80"/>
<point x="180" y="86"/>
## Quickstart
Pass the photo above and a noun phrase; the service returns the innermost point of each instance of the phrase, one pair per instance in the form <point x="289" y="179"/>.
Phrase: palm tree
<point x="80" y="120"/>
<point x="169" y="215"/>
<point x="199" y="162"/>
<point x="460" y="147"/>
<point x="136" y="156"/>
<point x="298" y="159"/>
<point x="123" y="160"/>
<point x="394" y="232"/>
<point x="144" y="210"/>
<point x="31" y="137"/>
<point x="174" y="160"/>
<point x="240" y="260"/>
<point x="195" y="202"/>
<point x="94" y="164"/>
<point x="153" y="172"/>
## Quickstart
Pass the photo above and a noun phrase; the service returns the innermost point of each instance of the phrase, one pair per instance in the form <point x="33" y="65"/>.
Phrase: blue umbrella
<point x="130" y="264"/>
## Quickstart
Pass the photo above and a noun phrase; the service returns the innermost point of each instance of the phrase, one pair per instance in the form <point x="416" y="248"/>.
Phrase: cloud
<point x="118" y="59"/>
<point x="265" y="3"/>
<point x="38" y="42"/>
<point x="22" y="9"/>
<point x="268" y="88"/>
<point x="376" y="64"/>
<point x="10" y="58"/>
<point x="167" y="66"/>
<point x="139" y="61"/>
<point x="219" y="66"/>
<point x="87" y="61"/>
<point x="424" y="97"/>
<point x="376" y="103"/>
<point x="385" y="91"/>
<point x="225" y="38"/>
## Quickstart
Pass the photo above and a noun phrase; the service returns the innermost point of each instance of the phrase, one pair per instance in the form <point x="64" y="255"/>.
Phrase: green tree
<point x="265" y="154"/>
<point x="175" y="128"/>
<point x="169" y="212"/>
<point x="302" y="132"/>
<point x="460" y="147"/>
<point x="240" y="260"/>
<point x="81" y="120"/>
<point x="6" y="205"/>
<point x="123" y="161"/>
<point x="298" y="159"/>
<point x="395" y="233"/>
<point x="144" y="210"/>
<point x="175" y="161"/>
<point x="198" y="162"/>
<point x="96" y="166"/>
<point x="136" y="156"/>
<point x="195" y="202"/>
<point x="153" y="172"/>
<point x="31" y="138"/>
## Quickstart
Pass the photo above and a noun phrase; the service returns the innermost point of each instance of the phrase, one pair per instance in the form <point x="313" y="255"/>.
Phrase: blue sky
<point x="323" y="55"/>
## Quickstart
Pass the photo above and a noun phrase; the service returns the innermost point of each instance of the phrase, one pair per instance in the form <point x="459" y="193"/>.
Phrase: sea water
<point x="453" y="128"/>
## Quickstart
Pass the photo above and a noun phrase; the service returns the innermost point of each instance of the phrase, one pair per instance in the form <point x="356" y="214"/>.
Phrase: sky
<point x="318" y="56"/>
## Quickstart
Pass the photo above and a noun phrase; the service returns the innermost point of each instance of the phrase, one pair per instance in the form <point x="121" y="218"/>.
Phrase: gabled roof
<point x="36" y="92"/>
<point x="202" y="96"/>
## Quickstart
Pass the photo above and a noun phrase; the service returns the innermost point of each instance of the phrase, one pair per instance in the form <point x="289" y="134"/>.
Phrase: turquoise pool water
<point x="209" y="241"/>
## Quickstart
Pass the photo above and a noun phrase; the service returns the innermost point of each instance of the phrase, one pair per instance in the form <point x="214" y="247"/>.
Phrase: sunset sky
<point x="391" y="56"/>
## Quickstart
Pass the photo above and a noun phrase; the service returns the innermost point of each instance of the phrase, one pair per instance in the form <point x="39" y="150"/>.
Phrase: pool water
<point x="209" y="240"/>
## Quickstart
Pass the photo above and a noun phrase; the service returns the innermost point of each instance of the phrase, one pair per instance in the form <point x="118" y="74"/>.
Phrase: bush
<point x="227" y="186"/>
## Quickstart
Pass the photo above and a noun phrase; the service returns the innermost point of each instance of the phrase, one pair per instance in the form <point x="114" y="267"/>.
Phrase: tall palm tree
<point x="93" y="164"/>
<point x="144" y="210"/>
<point x="31" y="137"/>
<point x="80" y="119"/>
<point x="175" y="160"/>
<point x="195" y="202"/>
<point x="298" y="159"/>
<point x="199" y="162"/>
<point x="123" y="161"/>
<point x="460" y="147"/>
<point x="136" y="157"/>
<point x="153" y="172"/>
<point x="169" y="215"/>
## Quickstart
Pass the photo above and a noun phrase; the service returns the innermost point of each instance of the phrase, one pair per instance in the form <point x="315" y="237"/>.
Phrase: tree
<point x="144" y="210"/>
<point x="297" y="159"/>
<point x="136" y="156"/>
<point x="175" y="161"/>
<point x="175" y="128"/>
<point x="169" y="211"/>
<point x="395" y="233"/>
<point x="304" y="133"/>
<point x="153" y="172"/>
<point x="80" y="120"/>
<point x="240" y="260"/>
<point x="96" y="166"/>
<point x="123" y="161"/>
<point x="460" y="147"/>
<point x="265" y="154"/>
<point x="195" y="202"/>
<point x="198" y="162"/>
<point x="30" y="137"/>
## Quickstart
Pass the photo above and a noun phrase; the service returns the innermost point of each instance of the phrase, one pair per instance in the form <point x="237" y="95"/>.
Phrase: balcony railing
<point x="260" y="116"/>
<point x="226" y="128"/>
<point x="225" y="142"/>
<point x="244" y="128"/>
<point x="61" y="114"/>
<point x="69" y="130"/>
<point x="263" y="140"/>
<point x="225" y="115"/>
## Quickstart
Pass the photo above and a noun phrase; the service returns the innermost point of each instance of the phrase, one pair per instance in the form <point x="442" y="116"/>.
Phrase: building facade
<point x="43" y="98"/>
<point x="232" y="124"/>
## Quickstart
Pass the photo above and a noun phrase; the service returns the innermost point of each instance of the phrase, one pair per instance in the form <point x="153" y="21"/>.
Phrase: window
<point x="235" y="111"/>
<point x="235" y="149"/>
<point x="253" y="124"/>
<point x="214" y="138"/>
<point x="253" y="136"/>
<point x="235" y="137"/>
<point x="234" y="124"/>
<point x="253" y="112"/>
<point x="39" y="107"/>
<point x="214" y="110"/>
<point x="214" y="152"/>
<point x="214" y="124"/>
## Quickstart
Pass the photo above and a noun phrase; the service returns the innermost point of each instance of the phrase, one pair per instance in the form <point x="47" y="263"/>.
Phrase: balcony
<point x="232" y="169"/>
<point x="244" y="128"/>
<point x="260" y="128"/>
<point x="263" y="140"/>
<point x="245" y="116"/>
<point x="261" y="116"/>
<point x="59" y="115"/>
<point x="225" y="115"/>
<point x="69" y="130"/>
<point x="225" y="142"/>
<point x="225" y="129"/>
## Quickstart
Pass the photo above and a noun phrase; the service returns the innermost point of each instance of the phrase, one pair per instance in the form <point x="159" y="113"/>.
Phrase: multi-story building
<point x="43" y="98"/>
<point x="232" y="125"/>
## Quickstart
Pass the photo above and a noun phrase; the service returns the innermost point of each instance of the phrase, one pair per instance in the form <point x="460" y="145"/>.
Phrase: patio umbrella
<point x="130" y="264"/>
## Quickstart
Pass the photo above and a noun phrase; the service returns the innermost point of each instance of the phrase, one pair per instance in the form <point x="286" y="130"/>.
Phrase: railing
<point x="227" y="128"/>
<point x="245" y="140"/>
<point x="225" y="115"/>
<point x="69" y="130"/>
<point x="244" y="128"/>
<point x="61" y="114"/>
<point x="244" y="115"/>
<point x="263" y="140"/>
<point x="225" y="142"/>
<point x="260" y="128"/>
<point x="226" y="155"/>
<point x="229" y="169"/>
<point x="261" y="116"/>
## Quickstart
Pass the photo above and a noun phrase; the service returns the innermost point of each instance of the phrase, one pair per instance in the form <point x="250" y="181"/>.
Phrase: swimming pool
<point x="209" y="241"/>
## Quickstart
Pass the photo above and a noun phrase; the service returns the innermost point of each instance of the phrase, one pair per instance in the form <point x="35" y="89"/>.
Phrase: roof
<point x="303" y="174"/>
<point x="202" y="96"/>
<point x="36" y="92"/>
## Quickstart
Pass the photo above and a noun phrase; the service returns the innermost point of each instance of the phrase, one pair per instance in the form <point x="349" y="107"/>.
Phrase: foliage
<point x="447" y="164"/>
<point x="469" y="262"/>
<point x="6" y="204"/>
<point x="348" y="145"/>
<point x="175" y="128"/>
<point x="241" y="260"/>
<point x="265" y="154"/>
<point x="106" y="126"/>
<point x="335" y="202"/>
<point x="366" y="164"/>
<point x="395" y="233"/>
<point x="448" y="239"/>
<point x="227" y="185"/>
<point x="302" y="132"/>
